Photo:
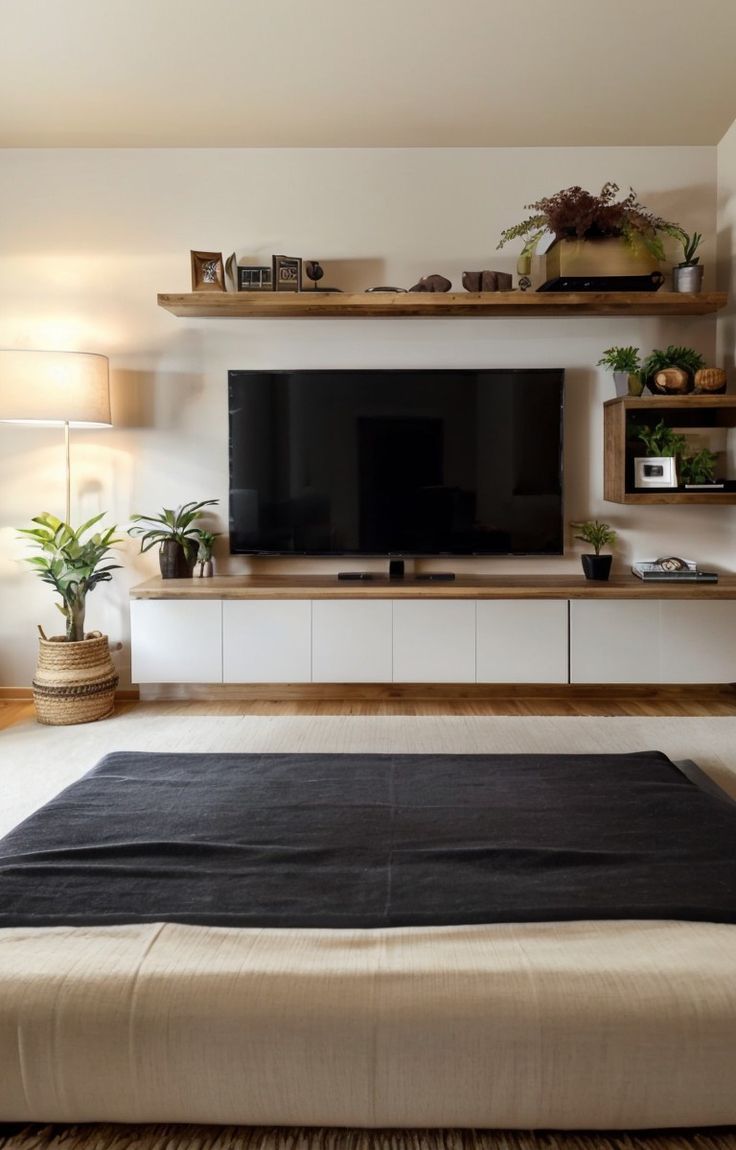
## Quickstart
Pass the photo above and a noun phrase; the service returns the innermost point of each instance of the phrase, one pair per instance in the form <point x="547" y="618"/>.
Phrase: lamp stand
<point x="68" y="473"/>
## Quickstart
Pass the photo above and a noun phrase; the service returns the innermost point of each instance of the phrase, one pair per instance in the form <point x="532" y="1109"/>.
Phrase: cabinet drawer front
<point x="434" y="642"/>
<point x="267" y="641"/>
<point x="176" y="641"/>
<point x="351" y="641"/>
<point x="614" y="641"/>
<point x="522" y="641"/>
<point x="698" y="642"/>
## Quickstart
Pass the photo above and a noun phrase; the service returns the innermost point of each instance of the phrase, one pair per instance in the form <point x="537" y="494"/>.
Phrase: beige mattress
<point x="577" y="1025"/>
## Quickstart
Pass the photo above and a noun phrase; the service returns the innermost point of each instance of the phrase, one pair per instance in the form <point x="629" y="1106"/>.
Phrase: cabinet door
<point x="351" y="641"/>
<point x="434" y="641"/>
<point x="698" y="641"/>
<point x="614" y="641"/>
<point x="176" y="640"/>
<point x="522" y="641"/>
<point x="267" y="640"/>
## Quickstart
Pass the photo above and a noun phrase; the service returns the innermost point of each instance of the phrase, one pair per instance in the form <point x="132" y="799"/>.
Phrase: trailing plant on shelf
<point x="671" y="370"/>
<point x="597" y="535"/>
<point x="176" y="533"/>
<point x="700" y="467"/>
<point x="576" y="213"/>
<point x="71" y="564"/>
<point x="661" y="441"/>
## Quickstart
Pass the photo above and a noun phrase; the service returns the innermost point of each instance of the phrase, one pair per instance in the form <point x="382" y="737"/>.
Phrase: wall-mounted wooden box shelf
<point x="620" y="418"/>
<point x="435" y="305"/>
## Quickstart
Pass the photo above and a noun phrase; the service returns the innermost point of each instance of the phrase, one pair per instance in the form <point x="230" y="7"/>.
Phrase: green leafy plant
<point x="71" y="564"/>
<point x="700" y="467"/>
<point x="624" y="359"/>
<point x="576" y="213"/>
<point x="690" y="245"/>
<point x="661" y="441"/>
<point x="683" y="357"/>
<point x="596" y="534"/>
<point x="178" y="524"/>
<point x="206" y="544"/>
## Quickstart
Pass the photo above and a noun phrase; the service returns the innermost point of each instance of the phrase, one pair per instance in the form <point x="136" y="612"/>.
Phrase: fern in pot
<point x="75" y="678"/>
<point x="625" y="365"/>
<point x="177" y="535"/>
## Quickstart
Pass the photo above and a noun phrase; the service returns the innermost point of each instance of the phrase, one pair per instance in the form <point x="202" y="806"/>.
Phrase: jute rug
<point x="96" y="1137"/>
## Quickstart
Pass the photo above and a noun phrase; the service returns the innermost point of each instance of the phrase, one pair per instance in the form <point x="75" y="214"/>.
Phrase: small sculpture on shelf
<point x="487" y="281"/>
<point x="432" y="283"/>
<point x="314" y="271"/>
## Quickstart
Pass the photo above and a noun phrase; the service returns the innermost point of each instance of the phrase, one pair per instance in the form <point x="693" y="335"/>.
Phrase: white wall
<point x="89" y="237"/>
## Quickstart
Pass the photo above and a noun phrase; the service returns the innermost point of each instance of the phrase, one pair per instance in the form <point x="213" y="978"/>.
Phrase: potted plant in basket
<point x="688" y="274"/>
<point x="594" y="235"/>
<point x="625" y="364"/>
<point x="598" y="535"/>
<point x="177" y="535"/>
<point x="75" y="679"/>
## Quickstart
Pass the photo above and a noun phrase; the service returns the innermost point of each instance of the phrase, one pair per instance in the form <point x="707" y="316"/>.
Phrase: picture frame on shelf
<point x="254" y="277"/>
<point x="655" y="471"/>
<point x="208" y="271"/>
<point x="287" y="273"/>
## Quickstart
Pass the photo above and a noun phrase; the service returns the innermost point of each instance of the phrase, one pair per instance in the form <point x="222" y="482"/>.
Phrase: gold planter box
<point x="610" y="257"/>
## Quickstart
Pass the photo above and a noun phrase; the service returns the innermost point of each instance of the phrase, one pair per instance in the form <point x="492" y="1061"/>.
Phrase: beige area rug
<point x="37" y="762"/>
<point x="306" y="1138"/>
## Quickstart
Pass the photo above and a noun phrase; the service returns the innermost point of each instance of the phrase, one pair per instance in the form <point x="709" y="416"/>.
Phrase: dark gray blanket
<point x="372" y="841"/>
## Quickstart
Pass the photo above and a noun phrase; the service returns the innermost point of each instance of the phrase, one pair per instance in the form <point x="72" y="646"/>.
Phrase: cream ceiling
<point x="365" y="73"/>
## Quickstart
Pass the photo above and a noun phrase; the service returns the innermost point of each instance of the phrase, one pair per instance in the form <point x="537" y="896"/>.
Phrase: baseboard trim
<point x="428" y="692"/>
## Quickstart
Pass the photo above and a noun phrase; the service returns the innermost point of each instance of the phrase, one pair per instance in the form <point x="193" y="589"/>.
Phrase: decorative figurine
<point x="314" y="271"/>
<point x="432" y="283"/>
<point x="487" y="281"/>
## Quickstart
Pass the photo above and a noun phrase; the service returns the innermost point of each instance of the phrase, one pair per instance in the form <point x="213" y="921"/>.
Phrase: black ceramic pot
<point x="174" y="560"/>
<point x="597" y="566"/>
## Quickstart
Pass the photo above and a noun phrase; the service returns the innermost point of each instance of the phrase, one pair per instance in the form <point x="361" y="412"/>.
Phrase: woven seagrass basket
<point x="75" y="682"/>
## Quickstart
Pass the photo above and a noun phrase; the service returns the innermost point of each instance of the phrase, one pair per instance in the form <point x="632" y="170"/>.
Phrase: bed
<point x="371" y="941"/>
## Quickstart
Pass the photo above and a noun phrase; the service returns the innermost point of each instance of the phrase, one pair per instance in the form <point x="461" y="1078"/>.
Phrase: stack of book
<point x="659" y="571"/>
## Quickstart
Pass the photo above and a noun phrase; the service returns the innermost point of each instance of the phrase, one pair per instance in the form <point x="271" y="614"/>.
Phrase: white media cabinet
<point x="516" y="630"/>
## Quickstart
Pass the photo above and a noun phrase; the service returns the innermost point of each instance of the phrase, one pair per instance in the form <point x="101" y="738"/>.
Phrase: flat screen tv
<point x="396" y="463"/>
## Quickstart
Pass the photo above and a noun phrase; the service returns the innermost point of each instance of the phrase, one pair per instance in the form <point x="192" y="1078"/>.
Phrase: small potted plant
<point x="688" y="274"/>
<point x="177" y="536"/>
<point x="75" y="678"/>
<point x="672" y="370"/>
<point x="205" y="567"/>
<point x="625" y="364"/>
<point x="698" y="469"/>
<point x="663" y="446"/>
<point x="597" y="535"/>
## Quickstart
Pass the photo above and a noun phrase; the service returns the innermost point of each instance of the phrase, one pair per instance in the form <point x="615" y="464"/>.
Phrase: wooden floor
<point x="652" y="703"/>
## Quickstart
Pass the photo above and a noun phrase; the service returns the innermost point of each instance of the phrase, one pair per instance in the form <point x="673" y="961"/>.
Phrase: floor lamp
<point x="71" y="388"/>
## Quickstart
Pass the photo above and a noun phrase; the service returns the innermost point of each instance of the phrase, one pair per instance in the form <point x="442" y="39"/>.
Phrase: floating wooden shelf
<point x="334" y="305"/>
<point x="620" y="416"/>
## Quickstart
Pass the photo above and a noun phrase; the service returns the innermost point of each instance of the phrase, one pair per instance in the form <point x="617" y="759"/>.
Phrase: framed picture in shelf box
<point x="652" y="471"/>
<point x="287" y="273"/>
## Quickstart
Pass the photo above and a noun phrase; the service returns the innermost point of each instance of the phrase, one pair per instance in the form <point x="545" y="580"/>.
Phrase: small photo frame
<point x="655" y="471"/>
<point x="255" y="278"/>
<point x="287" y="273"/>
<point x="208" y="271"/>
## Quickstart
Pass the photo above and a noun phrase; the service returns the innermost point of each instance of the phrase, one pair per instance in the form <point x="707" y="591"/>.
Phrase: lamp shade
<point x="55" y="387"/>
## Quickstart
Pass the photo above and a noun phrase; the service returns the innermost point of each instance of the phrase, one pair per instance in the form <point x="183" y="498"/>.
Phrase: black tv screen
<point x="405" y="463"/>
